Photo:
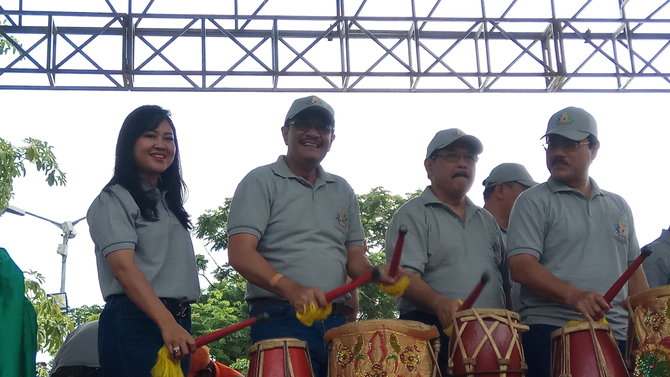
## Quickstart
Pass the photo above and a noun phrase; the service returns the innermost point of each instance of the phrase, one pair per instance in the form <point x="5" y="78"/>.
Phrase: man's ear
<point x="284" y="133"/>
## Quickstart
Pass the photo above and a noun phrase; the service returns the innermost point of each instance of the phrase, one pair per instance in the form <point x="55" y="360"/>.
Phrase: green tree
<point x="52" y="325"/>
<point x="13" y="164"/>
<point x="85" y="314"/>
<point x="5" y="44"/>
<point x="377" y="209"/>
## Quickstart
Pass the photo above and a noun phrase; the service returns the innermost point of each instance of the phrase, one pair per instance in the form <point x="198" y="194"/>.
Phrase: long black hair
<point x="147" y="118"/>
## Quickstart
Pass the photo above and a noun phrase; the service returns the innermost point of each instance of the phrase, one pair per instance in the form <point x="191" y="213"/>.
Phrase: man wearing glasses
<point x="295" y="233"/>
<point x="568" y="241"/>
<point x="450" y="242"/>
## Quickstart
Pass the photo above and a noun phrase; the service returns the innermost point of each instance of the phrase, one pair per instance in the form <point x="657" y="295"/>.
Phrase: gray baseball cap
<point x="509" y="172"/>
<point x="311" y="102"/>
<point x="445" y="137"/>
<point x="572" y="122"/>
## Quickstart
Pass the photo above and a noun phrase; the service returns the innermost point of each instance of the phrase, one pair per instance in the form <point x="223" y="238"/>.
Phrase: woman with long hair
<point x="145" y="259"/>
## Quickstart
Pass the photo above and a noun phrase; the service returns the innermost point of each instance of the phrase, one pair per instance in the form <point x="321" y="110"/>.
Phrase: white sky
<point x="381" y="141"/>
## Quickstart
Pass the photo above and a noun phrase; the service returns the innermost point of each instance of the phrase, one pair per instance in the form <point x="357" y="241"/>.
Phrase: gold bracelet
<point x="275" y="279"/>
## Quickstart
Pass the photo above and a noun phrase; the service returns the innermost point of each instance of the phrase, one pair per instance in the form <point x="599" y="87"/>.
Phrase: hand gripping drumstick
<point x="218" y="334"/>
<point x="467" y="304"/>
<point x="616" y="287"/>
<point x="375" y="273"/>
<point x="165" y="367"/>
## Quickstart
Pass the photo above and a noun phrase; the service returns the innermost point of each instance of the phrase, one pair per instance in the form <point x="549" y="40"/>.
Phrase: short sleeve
<point x="111" y="221"/>
<point x="415" y="247"/>
<point x="355" y="234"/>
<point x="250" y="208"/>
<point x="527" y="227"/>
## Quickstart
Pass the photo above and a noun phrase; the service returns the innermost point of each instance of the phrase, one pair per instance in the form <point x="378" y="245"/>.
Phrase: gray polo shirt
<point x="587" y="242"/>
<point x="450" y="254"/>
<point x="80" y="348"/>
<point x="163" y="248"/>
<point x="302" y="230"/>
<point x="657" y="265"/>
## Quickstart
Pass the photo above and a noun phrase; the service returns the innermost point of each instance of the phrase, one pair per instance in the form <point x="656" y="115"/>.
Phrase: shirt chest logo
<point x="342" y="220"/>
<point x="621" y="231"/>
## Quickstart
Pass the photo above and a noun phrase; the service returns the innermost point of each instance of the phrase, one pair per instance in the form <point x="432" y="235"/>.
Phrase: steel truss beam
<point x="566" y="50"/>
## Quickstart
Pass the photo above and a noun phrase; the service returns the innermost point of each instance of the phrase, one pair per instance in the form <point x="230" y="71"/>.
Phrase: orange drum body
<point x="648" y="352"/>
<point x="281" y="357"/>
<point x="486" y="343"/>
<point x="586" y="349"/>
<point x="382" y="348"/>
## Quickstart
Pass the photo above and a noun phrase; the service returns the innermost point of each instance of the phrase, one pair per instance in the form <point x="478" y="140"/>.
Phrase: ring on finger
<point x="176" y="349"/>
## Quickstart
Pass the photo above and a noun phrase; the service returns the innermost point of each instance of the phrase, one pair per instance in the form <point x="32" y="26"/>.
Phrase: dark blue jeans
<point x="128" y="340"/>
<point x="284" y="324"/>
<point x="537" y="349"/>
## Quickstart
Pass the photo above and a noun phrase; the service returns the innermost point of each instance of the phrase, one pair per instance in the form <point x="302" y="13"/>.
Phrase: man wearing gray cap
<point x="501" y="188"/>
<point x="450" y="242"/>
<point x="295" y="233"/>
<point x="568" y="241"/>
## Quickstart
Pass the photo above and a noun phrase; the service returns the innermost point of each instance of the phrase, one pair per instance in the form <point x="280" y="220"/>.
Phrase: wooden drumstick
<point x="467" y="304"/>
<point x="375" y="273"/>
<point x="218" y="334"/>
<point x="397" y="251"/>
<point x="616" y="287"/>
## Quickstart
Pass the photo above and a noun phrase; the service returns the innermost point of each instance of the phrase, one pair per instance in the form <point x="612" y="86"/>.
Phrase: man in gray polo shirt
<point x="501" y="188"/>
<point x="568" y="241"/>
<point x="295" y="233"/>
<point x="657" y="265"/>
<point x="450" y="242"/>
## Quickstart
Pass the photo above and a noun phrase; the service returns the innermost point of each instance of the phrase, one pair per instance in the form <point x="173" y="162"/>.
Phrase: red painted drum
<point x="382" y="348"/>
<point x="586" y="349"/>
<point x="486" y="343"/>
<point x="648" y="346"/>
<point x="281" y="357"/>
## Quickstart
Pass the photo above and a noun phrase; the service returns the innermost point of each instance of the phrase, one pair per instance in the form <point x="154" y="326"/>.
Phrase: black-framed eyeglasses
<point x="568" y="145"/>
<point x="321" y="128"/>
<point x="451" y="156"/>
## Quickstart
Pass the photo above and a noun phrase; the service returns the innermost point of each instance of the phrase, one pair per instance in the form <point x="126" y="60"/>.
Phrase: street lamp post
<point x="67" y="227"/>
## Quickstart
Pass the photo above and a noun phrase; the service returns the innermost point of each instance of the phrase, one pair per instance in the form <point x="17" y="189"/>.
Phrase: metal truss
<point x="360" y="46"/>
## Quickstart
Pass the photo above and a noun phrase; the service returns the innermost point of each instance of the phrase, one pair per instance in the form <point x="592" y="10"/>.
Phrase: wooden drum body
<point x="486" y="343"/>
<point x="382" y="348"/>
<point x="648" y="347"/>
<point x="586" y="349"/>
<point x="281" y="357"/>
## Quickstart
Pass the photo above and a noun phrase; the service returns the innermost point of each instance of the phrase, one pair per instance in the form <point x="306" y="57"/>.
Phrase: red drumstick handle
<point x="616" y="287"/>
<point x="397" y="251"/>
<point x="467" y="304"/>
<point x="218" y="334"/>
<point x="374" y="274"/>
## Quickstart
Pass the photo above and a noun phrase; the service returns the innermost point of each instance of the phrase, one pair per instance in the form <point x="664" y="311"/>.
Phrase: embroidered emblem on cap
<point x="314" y="100"/>
<point x="565" y="118"/>
<point x="457" y="132"/>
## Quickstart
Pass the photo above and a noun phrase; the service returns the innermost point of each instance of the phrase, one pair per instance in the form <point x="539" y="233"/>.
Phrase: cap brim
<point x="527" y="183"/>
<point x="314" y="109"/>
<point x="476" y="145"/>
<point x="570" y="133"/>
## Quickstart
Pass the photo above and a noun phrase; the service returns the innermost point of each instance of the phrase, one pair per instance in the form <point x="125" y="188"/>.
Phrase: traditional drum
<point x="383" y="347"/>
<point x="648" y="346"/>
<point x="586" y="349"/>
<point x="281" y="357"/>
<point x="486" y="343"/>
